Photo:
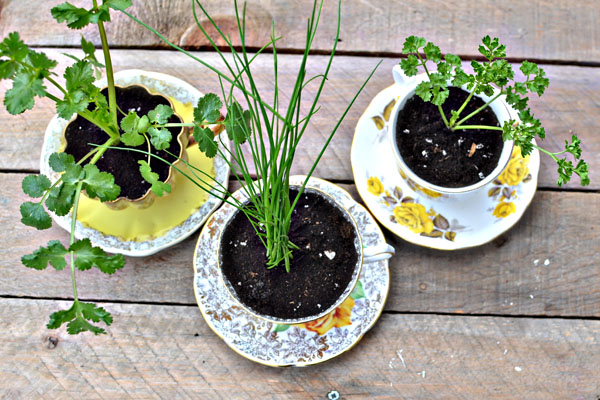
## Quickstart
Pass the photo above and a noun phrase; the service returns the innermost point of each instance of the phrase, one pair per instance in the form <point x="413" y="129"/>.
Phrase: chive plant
<point x="270" y="130"/>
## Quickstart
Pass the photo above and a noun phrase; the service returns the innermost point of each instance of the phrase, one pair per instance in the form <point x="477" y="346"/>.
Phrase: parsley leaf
<point x="152" y="178"/>
<point x="54" y="254"/>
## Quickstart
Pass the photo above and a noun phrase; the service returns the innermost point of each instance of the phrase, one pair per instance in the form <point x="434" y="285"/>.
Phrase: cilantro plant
<point x="270" y="131"/>
<point x="30" y="72"/>
<point x="494" y="77"/>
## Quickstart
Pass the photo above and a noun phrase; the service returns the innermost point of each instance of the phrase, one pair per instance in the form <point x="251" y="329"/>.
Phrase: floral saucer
<point x="424" y="217"/>
<point x="142" y="232"/>
<point x="292" y="345"/>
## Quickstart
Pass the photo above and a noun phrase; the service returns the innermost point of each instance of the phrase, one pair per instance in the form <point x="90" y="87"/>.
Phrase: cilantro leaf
<point x="13" y="47"/>
<point x="73" y="174"/>
<point x="100" y="184"/>
<point x="208" y="109"/>
<point x="152" y="178"/>
<point x="133" y="123"/>
<point x="79" y="75"/>
<point x="20" y="97"/>
<point x="160" y="115"/>
<point x="33" y="214"/>
<point x="60" y="317"/>
<point x="237" y="123"/>
<point x="54" y="254"/>
<point x="206" y="141"/>
<point x="119" y="5"/>
<point x="74" y="103"/>
<point x="133" y="126"/>
<point x="160" y="138"/>
<point x="35" y="185"/>
<point x="60" y="199"/>
<point x="87" y="257"/>
<point x="77" y="318"/>
<point x="75" y="17"/>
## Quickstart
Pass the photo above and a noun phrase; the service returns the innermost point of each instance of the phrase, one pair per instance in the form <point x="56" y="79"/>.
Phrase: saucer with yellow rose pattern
<point x="424" y="217"/>
<point x="292" y="345"/>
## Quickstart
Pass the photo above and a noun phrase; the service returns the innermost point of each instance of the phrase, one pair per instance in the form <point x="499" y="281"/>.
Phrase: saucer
<point x="142" y="232"/>
<point x="424" y="217"/>
<point x="292" y="345"/>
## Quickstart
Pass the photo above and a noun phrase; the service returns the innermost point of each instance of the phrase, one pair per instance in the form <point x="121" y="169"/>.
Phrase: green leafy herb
<point x="87" y="257"/>
<point x="494" y="78"/>
<point x="54" y="254"/>
<point x="77" y="318"/>
<point x="158" y="187"/>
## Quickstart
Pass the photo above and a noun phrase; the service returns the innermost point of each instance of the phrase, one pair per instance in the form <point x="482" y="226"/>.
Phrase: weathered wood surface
<point x="502" y="277"/>
<point x="572" y="103"/>
<point x="169" y="352"/>
<point x="541" y="29"/>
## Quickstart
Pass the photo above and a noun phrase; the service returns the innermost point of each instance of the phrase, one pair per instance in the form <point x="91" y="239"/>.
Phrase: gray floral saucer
<point x="292" y="345"/>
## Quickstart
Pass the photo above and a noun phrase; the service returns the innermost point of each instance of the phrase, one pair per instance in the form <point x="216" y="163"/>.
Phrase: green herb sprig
<point x="30" y="73"/>
<point x="270" y="132"/>
<point x="494" y="78"/>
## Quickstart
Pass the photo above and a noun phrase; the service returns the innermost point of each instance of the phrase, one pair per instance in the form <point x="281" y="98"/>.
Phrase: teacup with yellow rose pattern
<point x="406" y="88"/>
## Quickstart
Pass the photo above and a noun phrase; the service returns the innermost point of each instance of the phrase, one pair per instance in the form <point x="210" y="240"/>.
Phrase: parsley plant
<point x="494" y="77"/>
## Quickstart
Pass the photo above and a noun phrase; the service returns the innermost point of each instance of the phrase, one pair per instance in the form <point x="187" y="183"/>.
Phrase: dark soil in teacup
<point x="443" y="157"/>
<point x="321" y="268"/>
<point x="123" y="164"/>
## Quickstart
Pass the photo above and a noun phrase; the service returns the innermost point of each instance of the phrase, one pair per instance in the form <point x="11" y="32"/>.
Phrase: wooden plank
<point x="169" y="352"/>
<point x="571" y="104"/>
<point x="502" y="277"/>
<point x="539" y="29"/>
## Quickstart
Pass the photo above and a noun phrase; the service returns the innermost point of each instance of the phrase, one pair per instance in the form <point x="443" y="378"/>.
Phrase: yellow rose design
<point x="336" y="319"/>
<point x="374" y="186"/>
<point x="504" y="209"/>
<point x="516" y="170"/>
<point x="414" y="216"/>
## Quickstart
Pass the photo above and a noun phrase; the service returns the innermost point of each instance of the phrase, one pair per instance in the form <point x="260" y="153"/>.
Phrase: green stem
<point x="189" y="125"/>
<point x="112" y="97"/>
<point x="463" y="106"/>
<point x="429" y="78"/>
<point x="464" y="127"/>
<point x="72" y="240"/>
<point x="477" y="111"/>
<point x="553" y="155"/>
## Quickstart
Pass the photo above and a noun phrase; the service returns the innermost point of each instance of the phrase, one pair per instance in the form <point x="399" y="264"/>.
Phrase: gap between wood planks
<point x="389" y="312"/>
<point x="352" y="53"/>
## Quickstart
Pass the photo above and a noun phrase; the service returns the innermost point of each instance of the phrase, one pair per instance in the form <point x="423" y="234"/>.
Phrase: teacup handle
<point x="377" y="253"/>
<point x="399" y="76"/>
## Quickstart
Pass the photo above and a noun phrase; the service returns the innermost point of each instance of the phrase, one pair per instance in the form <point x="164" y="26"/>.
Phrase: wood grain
<point x="169" y="352"/>
<point x="502" y="277"/>
<point x="539" y="29"/>
<point x="571" y="104"/>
